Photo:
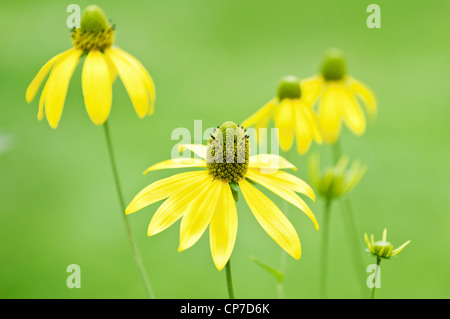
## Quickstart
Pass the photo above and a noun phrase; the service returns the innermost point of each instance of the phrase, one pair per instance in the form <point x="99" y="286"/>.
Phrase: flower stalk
<point x="324" y="249"/>
<point x="229" y="281"/>
<point x="349" y="223"/>
<point x="135" y="251"/>
<point x="376" y="274"/>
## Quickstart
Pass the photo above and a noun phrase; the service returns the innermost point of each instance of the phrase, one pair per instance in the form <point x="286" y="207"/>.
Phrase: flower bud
<point x="335" y="181"/>
<point x="383" y="248"/>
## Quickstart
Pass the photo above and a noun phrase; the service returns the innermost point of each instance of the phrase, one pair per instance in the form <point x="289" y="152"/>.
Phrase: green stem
<point x="137" y="256"/>
<point x="353" y="242"/>
<point x="324" y="250"/>
<point x="376" y="274"/>
<point x="228" y="274"/>
<point x="336" y="151"/>
<point x="350" y="225"/>
<point x="229" y="280"/>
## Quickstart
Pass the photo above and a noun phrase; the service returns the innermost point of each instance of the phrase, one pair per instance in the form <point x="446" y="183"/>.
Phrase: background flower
<point x="337" y="95"/>
<point x="94" y="39"/>
<point x="292" y="113"/>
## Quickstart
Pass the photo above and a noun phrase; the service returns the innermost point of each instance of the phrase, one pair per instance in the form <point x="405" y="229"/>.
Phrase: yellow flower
<point x="94" y="39"/>
<point x="337" y="94"/>
<point x="205" y="197"/>
<point x="383" y="248"/>
<point x="292" y="115"/>
<point x="335" y="181"/>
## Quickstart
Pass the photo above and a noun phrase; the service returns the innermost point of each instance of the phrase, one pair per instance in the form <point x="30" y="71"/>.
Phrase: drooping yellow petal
<point x="197" y="149"/>
<point x="367" y="241"/>
<point x="132" y="80"/>
<point x="175" y="206"/>
<point x="330" y="113"/>
<point x="42" y="102"/>
<point x="97" y="90"/>
<point x="303" y="129"/>
<point x="284" y="121"/>
<point x="223" y="228"/>
<point x="271" y="219"/>
<point x="199" y="214"/>
<point x="260" y="119"/>
<point x="399" y="249"/>
<point x="310" y="89"/>
<point x="289" y="181"/>
<point x="353" y="116"/>
<point x="366" y="96"/>
<point x="58" y="83"/>
<point x="269" y="163"/>
<point x="112" y="69"/>
<point x="162" y="189"/>
<point x="177" y="163"/>
<point x="259" y="115"/>
<point x="311" y="115"/>
<point x="284" y="193"/>
<point x="142" y="71"/>
<point x="36" y="82"/>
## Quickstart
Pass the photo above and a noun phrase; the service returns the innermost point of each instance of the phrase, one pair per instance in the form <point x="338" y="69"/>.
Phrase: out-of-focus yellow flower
<point x="383" y="248"/>
<point x="292" y="115"/>
<point x="94" y="39"/>
<point x="335" y="181"/>
<point x="206" y="197"/>
<point x="337" y="94"/>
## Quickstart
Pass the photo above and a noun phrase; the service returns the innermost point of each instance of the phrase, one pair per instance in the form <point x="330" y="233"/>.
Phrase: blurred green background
<point x="216" y="61"/>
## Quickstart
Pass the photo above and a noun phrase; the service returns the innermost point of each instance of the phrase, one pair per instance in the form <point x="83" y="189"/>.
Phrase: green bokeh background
<point x="216" y="61"/>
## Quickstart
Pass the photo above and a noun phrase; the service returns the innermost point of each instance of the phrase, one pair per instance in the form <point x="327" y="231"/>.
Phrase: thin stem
<point x="324" y="251"/>
<point x="137" y="256"/>
<point x="376" y="274"/>
<point x="336" y="151"/>
<point x="353" y="242"/>
<point x="349" y="224"/>
<point x="229" y="280"/>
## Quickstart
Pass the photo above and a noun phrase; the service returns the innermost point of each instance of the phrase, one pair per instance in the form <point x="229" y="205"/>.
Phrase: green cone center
<point x="93" y="19"/>
<point x="383" y="249"/>
<point x="334" y="66"/>
<point x="289" y="87"/>
<point x="95" y="32"/>
<point x="227" y="154"/>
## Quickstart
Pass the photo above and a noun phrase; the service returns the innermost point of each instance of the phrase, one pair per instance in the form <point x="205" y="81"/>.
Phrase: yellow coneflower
<point x="292" y="114"/>
<point x="205" y="197"/>
<point x="337" y="94"/>
<point x="95" y="39"/>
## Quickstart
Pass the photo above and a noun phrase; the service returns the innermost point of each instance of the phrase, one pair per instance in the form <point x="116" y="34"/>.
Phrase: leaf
<point x="279" y="276"/>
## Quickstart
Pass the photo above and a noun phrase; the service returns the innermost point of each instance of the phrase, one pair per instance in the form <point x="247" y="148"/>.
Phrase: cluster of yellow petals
<point x="200" y="200"/>
<point x="317" y="115"/>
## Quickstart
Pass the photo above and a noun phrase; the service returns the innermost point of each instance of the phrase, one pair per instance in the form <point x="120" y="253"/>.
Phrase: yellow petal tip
<point x="219" y="268"/>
